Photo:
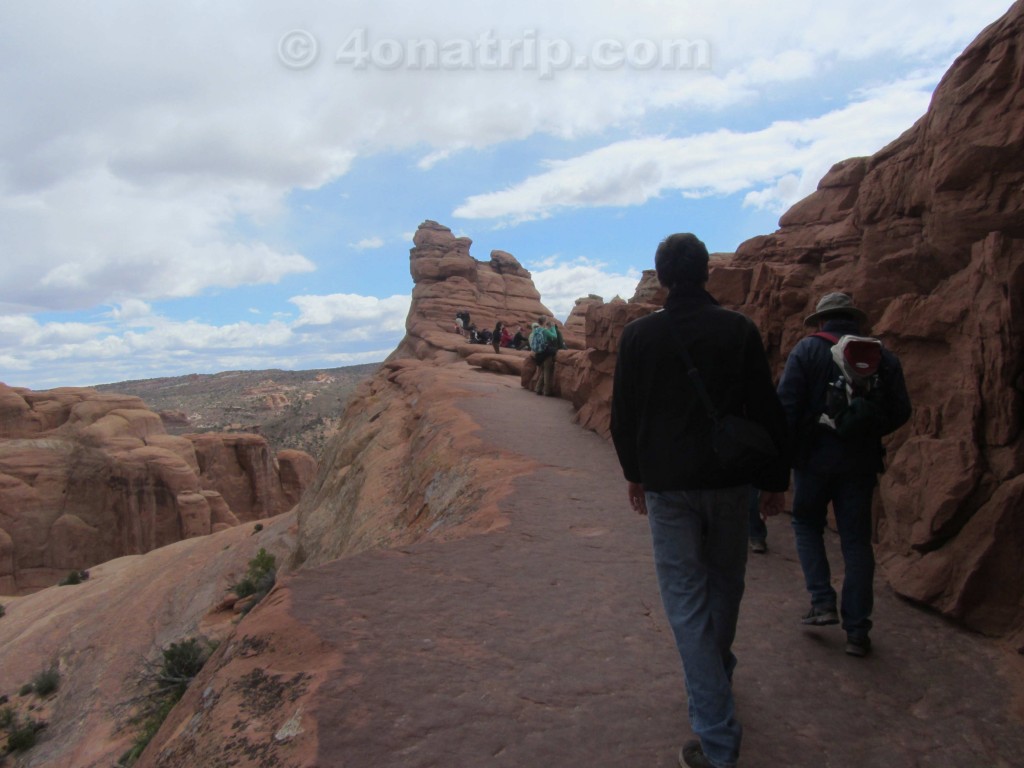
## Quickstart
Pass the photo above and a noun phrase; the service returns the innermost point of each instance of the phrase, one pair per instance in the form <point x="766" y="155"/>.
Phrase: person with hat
<point x="697" y="508"/>
<point x="837" y="469"/>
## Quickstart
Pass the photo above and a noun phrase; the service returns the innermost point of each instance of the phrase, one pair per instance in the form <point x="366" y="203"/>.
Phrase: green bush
<point x="46" y="682"/>
<point x="74" y="577"/>
<point x="259" y="578"/>
<point x="26" y="689"/>
<point x="2" y="610"/>
<point x="179" y="664"/>
<point x="6" y="717"/>
<point x="22" y="736"/>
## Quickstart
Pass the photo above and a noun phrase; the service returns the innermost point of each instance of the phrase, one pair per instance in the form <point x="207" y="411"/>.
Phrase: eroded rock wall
<point x="405" y="466"/>
<point x="87" y="477"/>
<point x="448" y="280"/>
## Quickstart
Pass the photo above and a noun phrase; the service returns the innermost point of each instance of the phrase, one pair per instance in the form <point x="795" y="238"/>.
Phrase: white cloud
<point x="131" y="341"/>
<point x="368" y="243"/>
<point x="720" y="162"/>
<point x="431" y="159"/>
<point x="95" y="239"/>
<point x="559" y="282"/>
<point x="138" y="167"/>
<point x="347" y="311"/>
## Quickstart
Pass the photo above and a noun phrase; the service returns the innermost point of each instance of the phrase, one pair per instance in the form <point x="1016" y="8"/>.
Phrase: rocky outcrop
<point x="87" y="477"/>
<point x="449" y="280"/>
<point x="400" y="468"/>
<point x="405" y="467"/>
<point x="928" y="236"/>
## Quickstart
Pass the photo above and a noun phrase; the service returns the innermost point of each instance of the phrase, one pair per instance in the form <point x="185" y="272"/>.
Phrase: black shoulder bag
<point x="741" y="446"/>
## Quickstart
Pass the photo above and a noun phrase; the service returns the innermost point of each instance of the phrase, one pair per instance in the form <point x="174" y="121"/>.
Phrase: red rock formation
<point x="405" y="466"/>
<point x="928" y="236"/>
<point x="87" y="477"/>
<point x="448" y="280"/>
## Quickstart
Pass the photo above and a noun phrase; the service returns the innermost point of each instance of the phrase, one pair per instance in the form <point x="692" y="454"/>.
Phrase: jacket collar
<point x="841" y="326"/>
<point x="689" y="294"/>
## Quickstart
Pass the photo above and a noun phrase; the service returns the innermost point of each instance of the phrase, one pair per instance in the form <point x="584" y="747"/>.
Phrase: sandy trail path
<point x="545" y="645"/>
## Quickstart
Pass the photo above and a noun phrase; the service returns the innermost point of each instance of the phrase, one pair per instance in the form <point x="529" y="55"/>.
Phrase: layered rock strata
<point x="87" y="477"/>
<point x="449" y="280"/>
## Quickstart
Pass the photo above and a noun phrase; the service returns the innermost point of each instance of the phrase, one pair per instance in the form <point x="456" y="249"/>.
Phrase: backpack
<point x="538" y="341"/>
<point x="854" y="398"/>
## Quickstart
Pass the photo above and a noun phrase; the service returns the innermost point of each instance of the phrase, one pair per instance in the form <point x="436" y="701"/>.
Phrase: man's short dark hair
<point x="681" y="258"/>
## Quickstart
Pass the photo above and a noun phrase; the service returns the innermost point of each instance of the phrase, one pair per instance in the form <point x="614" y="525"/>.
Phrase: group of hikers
<point x="543" y="341"/>
<point x="503" y="335"/>
<point x="692" y="389"/>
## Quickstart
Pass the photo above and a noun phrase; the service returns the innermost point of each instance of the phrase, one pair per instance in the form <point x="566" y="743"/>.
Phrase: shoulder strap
<point x="693" y="373"/>
<point x="827" y="336"/>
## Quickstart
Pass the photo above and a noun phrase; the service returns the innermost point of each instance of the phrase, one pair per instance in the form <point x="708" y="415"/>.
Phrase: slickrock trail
<point x="544" y="644"/>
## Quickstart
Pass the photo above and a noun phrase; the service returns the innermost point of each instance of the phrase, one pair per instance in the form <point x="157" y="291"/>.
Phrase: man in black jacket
<point x="698" y="512"/>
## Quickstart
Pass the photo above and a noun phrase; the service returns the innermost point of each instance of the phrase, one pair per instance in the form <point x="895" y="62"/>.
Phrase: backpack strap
<point x="827" y="336"/>
<point x="694" y="374"/>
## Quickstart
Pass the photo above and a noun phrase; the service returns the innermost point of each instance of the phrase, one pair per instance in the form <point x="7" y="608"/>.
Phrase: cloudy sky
<point x="194" y="187"/>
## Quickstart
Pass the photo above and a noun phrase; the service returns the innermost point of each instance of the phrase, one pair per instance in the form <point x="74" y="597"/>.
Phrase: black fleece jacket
<point x="660" y="428"/>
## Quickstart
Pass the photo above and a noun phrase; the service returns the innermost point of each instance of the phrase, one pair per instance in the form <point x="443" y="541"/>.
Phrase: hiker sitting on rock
<point x="520" y="340"/>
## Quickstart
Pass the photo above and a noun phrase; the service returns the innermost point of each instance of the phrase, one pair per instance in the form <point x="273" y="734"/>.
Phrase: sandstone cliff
<point x="88" y="477"/>
<point x="447" y="280"/>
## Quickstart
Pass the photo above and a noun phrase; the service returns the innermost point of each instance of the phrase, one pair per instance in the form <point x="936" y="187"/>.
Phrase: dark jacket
<point x="660" y="427"/>
<point x="802" y="390"/>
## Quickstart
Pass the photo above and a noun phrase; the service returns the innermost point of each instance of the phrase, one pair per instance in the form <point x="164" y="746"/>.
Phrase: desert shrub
<point x="46" y="682"/>
<point x="26" y="689"/>
<point x="257" y="528"/>
<point x="149" y="724"/>
<point x="74" y="577"/>
<point x="259" y="578"/>
<point x="168" y="680"/>
<point x="21" y="735"/>
<point x="2" y="610"/>
<point x="181" y="662"/>
<point x="6" y="717"/>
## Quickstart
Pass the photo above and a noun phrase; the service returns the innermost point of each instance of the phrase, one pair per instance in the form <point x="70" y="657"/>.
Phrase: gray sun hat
<point x="835" y="304"/>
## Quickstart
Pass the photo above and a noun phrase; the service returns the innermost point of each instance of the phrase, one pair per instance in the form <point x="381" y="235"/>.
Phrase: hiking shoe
<point x="858" y="646"/>
<point x="759" y="546"/>
<point x="820" y="617"/>
<point x="691" y="755"/>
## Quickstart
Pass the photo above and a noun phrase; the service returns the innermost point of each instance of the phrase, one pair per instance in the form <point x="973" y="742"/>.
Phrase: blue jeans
<point x="700" y="552"/>
<point x="850" y="495"/>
